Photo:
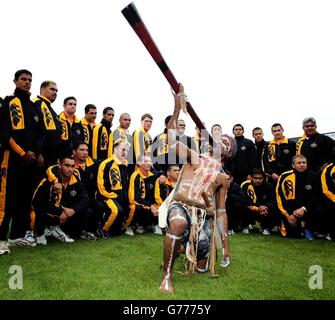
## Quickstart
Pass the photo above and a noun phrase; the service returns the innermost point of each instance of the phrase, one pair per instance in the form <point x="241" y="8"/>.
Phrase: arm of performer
<point x="222" y="219"/>
<point x="182" y="150"/>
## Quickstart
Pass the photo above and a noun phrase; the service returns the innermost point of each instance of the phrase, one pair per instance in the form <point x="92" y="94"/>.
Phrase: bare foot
<point x="166" y="285"/>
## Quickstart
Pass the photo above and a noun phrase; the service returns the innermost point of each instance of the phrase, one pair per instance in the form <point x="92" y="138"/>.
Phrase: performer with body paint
<point x="199" y="195"/>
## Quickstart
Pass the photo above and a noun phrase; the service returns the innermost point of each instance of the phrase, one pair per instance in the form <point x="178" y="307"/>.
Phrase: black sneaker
<point x="103" y="234"/>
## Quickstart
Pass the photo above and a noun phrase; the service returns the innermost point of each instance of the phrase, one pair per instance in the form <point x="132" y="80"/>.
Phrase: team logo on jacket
<point x="78" y="132"/>
<point x="286" y="151"/>
<point x="73" y="193"/>
<point x="308" y="187"/>
<point x="243" y="148"/>
<point x="314" y="145"/>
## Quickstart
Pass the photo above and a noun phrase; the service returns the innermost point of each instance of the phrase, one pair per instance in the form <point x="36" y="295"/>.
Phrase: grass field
<point x="129" y="268"/>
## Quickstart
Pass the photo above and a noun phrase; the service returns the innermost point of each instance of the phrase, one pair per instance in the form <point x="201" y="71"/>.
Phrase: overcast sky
<point x="244" y="61"/>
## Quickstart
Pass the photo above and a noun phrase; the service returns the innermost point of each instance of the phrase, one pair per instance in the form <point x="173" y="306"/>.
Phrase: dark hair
<point x="238" y="125"/>
<point x="66" y="100"/>
<point x="104" y="111"/>
<point x="45" y="84"/>
<point x="89" y="106"/>
<point x="257" y="171"/>
<point x="65" y="155"/>
<point x="77" y="144"/>
<point x="167" y="119"/>
<point x="257" y="128"/>
<point x="170" y="166"/>
<point x="147" y="115"/>
<point x="277" y="125"/>
<point x="20" y="72"/>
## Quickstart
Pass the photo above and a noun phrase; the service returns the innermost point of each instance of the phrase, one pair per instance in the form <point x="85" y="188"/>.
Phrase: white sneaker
<point x="140" y="230"/>
<point x="157" y="230"/>
<point x="20" y="242"/>
<point x="245" y="230"/>
<point x="251" y="227"/>
<point x="328" y="237"/>
<point x="129" y="232"/>
<point x="231" y="232"/>
<point x="42" y="240"/>
<point x="29" y="236"/>
<point x="4" y="248"/>
<point x="47" y="232"/>
<point x="266" y="232"/>
<point x="59" y="234"/>
<point x="275" y="229"/>
<point x="225" y="262"/>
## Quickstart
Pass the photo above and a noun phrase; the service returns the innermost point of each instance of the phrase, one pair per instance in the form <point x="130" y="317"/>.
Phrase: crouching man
<point x="61" y="204"/>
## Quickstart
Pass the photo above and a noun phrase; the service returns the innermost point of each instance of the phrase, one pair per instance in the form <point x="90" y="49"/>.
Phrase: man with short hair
<point x="143" y="210"/>
<point x="121" y="132"/>
<point x="62" y="204"/>
<point x="261" y="146"/>
<point x="183" y="138"/>
<point x="141" y="138"/>
<point x="101" y="134"/>
<point x="298" y="193"/>
<point x="72" y="129"/>
<point x="318" y="148"/>
<point x="22" y="134"/>
<point x="165" y="185"/>
<point x="113" y="184"/>
<point x="279" y="153"/>
<point x="51" y="148"/>
<point x="262" y="208"/>
<point x="88" y="123"/>
<point x="245" y="158"/>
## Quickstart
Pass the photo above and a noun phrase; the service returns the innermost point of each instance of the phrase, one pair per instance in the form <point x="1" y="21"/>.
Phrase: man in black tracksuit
<point x="51" y="147"/>
<point x="72" y="129"/>
<point x="261" y="146"/>
<point x="101" y="133"/>
<point x="245" y="158"/>
<point x="317" y="148"/>
<point x="278" y="154"/>
<point x="22" y="134"/>
<point x="298" y="194"/>
<point x="263" y="208"/>
<point x="63" y="203"/>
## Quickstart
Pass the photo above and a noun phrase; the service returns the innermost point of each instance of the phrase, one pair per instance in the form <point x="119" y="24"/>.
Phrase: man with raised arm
<point x="199" y="194"/>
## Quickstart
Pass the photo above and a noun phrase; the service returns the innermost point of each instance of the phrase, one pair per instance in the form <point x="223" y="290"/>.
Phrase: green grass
<point x="129" y="268"/>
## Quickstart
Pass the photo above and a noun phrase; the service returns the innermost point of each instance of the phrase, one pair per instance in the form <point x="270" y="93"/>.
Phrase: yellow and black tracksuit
<point x="100" y="140"/>
<point x="161" y="154"/>
<point x="328" y="190"/>
<point x="72" y="132"/>
<point x="278" y="156"/>
<point x="263" y="195"/>
<point x="48" y="206"/>
<point x="295" y="190"/>
<point x="141" y="143"/>
<point x="51" y="147"/>
<point x="123" y="134"/>
<point x="88" y="134"/>
<point x="141" y="197"/>
<point x="21" y="131"/>
<point x="318" y="149"/>
<point x="113" y="182"/>
<point x="163" y="190"/>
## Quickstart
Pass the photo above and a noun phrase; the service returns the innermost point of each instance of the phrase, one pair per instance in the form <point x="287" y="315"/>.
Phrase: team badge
<point x="308" y="187"/>
<point x="243" y="148"/>
<point x="314" y="145"/>
<point x="73" y="193"/>
<point x="286" y="151"/>
<point x="78" y="132"/>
